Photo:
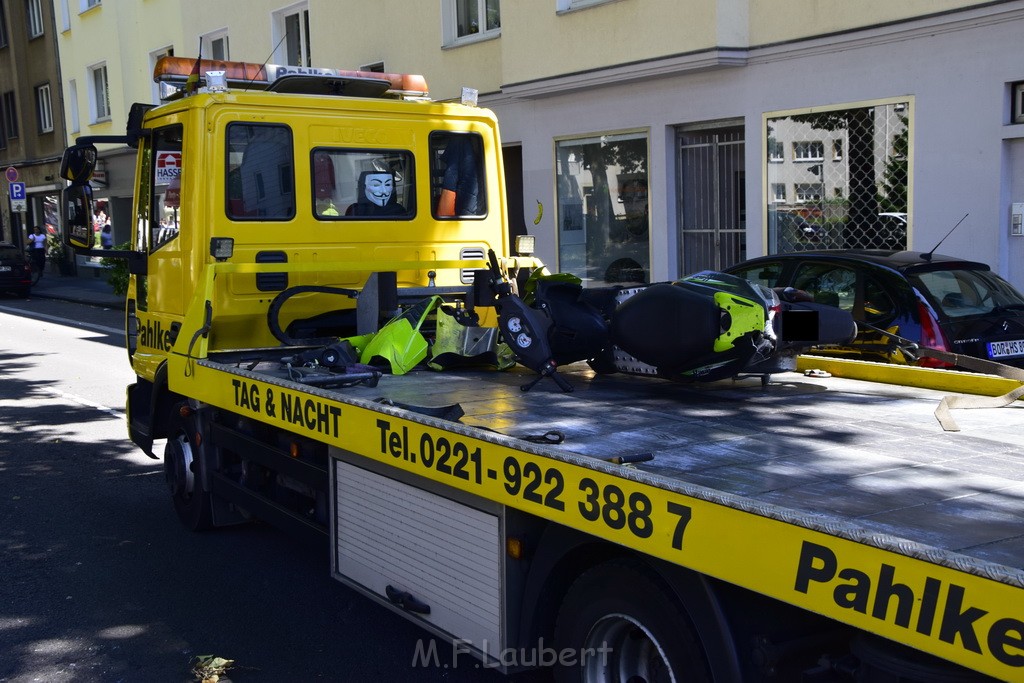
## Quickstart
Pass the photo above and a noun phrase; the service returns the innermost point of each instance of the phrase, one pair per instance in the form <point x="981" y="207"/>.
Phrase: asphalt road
<point x="99" y="582"/>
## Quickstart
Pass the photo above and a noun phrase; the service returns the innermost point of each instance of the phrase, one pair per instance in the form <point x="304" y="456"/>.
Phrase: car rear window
<point x="962" y="293"/>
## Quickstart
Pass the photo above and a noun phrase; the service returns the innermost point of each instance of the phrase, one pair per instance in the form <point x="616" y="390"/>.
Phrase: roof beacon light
<point x="220" y="75"/>
<point x="216" y="81"/>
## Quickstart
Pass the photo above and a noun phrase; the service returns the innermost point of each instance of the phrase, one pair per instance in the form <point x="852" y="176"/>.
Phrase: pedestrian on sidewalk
<point x="37" y="251"/>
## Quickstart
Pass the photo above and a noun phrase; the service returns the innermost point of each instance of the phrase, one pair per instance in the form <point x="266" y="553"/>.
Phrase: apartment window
<point x="65" y="16"/>
<point x="3" y="25"/>
<point x="837" y="150"/>
<point x="84" y="5"/>
<point x="292" y="25"/>
<point x="808" y="150"/>
<point x="215" y="45"/>
<point x="10" y="115"/>
<point x="99" y="93"/>
<point x="73" y="105"/>
<point x="44" y="112"/>
<point x="779" y="192"/>
<point x="775" y="152"/>
<point x="807" y="192"/>
<point x="470" y="19"/>
<point x="34" y="15"/>
<point x="154" y="57"/>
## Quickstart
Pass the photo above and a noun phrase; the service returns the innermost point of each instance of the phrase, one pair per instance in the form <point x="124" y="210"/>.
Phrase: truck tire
<point x="620" y="625"/>
<point x="182" y="463"/>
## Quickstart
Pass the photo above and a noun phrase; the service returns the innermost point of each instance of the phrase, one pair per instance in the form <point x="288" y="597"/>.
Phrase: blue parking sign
<point x="17" y="191"/>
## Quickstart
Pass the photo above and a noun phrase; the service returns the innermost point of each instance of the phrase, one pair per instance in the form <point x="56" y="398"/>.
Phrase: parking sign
<point x="18" y="198"/>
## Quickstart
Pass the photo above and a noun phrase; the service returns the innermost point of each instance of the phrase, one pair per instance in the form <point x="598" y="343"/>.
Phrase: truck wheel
<point x="182" y="473"/>
<point x="619" y="625"/>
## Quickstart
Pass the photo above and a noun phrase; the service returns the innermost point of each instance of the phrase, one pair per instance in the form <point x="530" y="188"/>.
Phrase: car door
<point x="863" y="294"/>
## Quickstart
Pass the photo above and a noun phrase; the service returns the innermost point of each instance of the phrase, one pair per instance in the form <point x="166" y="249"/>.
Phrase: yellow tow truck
<point x="810" y="528"/>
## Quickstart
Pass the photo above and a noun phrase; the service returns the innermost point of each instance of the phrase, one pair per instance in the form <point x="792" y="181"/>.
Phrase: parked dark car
<point x="15" y="270"/>
<point x="939" y="302"/>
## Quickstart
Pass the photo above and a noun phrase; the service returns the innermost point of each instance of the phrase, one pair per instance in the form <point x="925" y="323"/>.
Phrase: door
<point x="712" y="197"/>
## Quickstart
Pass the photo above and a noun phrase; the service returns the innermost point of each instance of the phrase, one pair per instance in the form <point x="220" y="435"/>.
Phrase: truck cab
<point x="299" y="184"/>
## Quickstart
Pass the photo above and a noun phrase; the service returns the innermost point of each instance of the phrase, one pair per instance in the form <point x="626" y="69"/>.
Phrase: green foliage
<point x="117" y="271"/>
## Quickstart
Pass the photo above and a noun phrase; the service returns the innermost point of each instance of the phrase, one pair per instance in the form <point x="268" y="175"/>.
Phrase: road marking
<point x="86" y="402"/>
<point x="63" y="321"/>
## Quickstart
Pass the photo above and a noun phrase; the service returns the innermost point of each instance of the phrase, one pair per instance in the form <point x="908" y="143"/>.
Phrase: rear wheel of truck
<point x="618" y="625"/>
<point x="182" y="463"/>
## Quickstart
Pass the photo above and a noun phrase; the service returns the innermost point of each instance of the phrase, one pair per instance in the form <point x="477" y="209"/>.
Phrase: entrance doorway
<point x="712" y="196"/>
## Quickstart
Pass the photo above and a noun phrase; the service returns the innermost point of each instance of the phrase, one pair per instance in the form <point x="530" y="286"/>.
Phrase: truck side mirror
<point x="76" y="202"/>
<point x="78" y="163"/>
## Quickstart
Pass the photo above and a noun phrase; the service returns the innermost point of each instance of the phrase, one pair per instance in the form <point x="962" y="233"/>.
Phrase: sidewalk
<point x="84" y="289"/>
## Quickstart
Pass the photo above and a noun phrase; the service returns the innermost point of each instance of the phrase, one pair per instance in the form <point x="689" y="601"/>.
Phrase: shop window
<point x="851" y="167"/>
<point x="603" y="208"/>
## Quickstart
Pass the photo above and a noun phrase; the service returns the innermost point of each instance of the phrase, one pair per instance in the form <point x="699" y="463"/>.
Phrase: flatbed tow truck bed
<point x="842" y="496"/>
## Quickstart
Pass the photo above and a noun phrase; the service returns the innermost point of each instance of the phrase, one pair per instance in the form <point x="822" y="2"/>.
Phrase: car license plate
<point x="5" y="269"/>
<point x="1003" y="349"/>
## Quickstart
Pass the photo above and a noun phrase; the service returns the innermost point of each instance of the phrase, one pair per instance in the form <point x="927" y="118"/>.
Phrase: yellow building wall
<point x="121" y="34"/>
<point x="774" y="22"/>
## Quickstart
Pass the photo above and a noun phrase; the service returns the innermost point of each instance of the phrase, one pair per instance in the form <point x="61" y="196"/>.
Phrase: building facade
<point x="107" y="53"/>
<point x="31" y="119"/>
<point x="646" y="139"/>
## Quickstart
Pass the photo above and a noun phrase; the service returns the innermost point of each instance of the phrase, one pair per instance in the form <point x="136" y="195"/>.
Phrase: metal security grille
<point x="838" y="179"/>
<point x="712" y="198"/>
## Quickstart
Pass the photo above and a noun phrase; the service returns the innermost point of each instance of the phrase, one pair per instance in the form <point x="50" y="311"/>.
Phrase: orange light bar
<point x="178" y="69"/>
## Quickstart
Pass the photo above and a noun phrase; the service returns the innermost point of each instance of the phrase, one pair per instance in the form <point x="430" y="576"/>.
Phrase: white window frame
<point x="279" y="29"/>
<point x="65" y="16"/>
<point x="76" y="126"/>
<point x="99" y="107"/>
<point x="450" y="24"/>
<point x="807" y="192"/>
<point x="779" y="193"/>
<point x="86" y="5"/>
<point x="34" y="16"/>
<point x="154" y="57"/>
<point x="808" y="150"/>
<point x="210" y="38"/>
<point x="44" y="108"/>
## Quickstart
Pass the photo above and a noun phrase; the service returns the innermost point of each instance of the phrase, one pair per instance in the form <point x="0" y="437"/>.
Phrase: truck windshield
<point x="360" y="184"/>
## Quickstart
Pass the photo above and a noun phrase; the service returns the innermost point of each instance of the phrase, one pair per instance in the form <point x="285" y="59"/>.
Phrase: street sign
<point x="11" y="173"/>
<point x="19" y="201"/>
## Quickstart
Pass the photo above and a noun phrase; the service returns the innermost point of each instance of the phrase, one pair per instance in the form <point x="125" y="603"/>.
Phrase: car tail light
<point x="931" y="338"/>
